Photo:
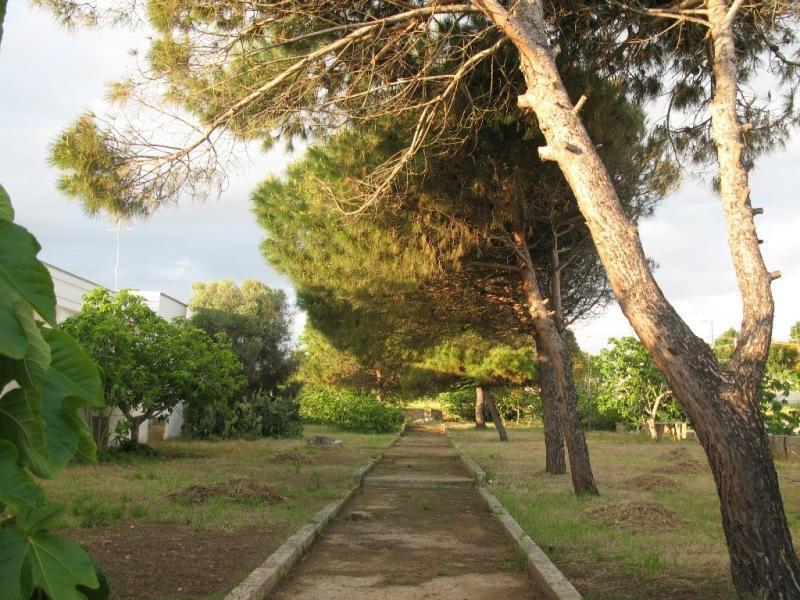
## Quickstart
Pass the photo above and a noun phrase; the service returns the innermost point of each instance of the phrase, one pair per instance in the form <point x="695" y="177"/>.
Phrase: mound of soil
<point x="682" y="467"/>
<point x="637" y="516"/>
<point x="238" y="490"/>
<point x="292" y="456"/>
<point x="649" y="482"/>
<point x="676" y="454"/>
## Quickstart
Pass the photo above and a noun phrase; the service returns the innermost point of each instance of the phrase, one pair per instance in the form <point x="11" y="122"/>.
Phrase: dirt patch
<point x="637" y="516"/>
<point x="145" y="560"/>
<point x="292" y="456"/>
<point x="683" y="467"/>
<point x="239" y="490"/>
<point x="649" y="482"/>
<point x="675" y="454"/>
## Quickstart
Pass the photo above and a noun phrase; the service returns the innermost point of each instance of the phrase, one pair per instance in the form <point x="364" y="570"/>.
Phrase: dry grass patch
<point x="677" y="454"/>
<point x="292" y="456"/>
<point x="637" y="516"/>
<point x="651" y="482"/>
<point x="246" y="490"/>
<point x="683" y="467"/>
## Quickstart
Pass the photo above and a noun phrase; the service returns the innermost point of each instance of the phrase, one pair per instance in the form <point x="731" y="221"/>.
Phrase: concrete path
<point x="418" y="529"/>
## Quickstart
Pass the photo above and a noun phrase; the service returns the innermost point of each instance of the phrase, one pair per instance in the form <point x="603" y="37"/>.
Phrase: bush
<point x="511" y="403"/>
<point x="252" y="416"/>
<point x="348" y="410"/>
<point x="461" y="405"/>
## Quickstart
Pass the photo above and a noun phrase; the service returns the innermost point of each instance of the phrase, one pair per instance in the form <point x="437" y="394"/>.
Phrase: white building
<point x="70" y="290"/>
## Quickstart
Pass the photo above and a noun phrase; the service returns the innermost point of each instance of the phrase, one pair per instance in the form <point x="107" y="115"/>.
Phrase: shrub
<point x="348" y="410"/>
<point x="252" y="416"/>
<point x="461" y="404"/>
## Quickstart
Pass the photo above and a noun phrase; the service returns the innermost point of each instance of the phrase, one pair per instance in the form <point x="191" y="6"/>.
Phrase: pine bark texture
<point x="555" y="346"/>
<point x="555" y="462"/>
<point x="721" y="403"/>
<point x="496" y="419"/>
<point x="480" y="420"/>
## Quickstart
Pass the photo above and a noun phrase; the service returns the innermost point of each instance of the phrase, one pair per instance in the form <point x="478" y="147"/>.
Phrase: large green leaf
<point x="40" y="559"/>
<point x="13" y="341"/>
<point x="21" y="424"/>
<point x="17" y="489"/>
<point x="72" y="373"/>
<point x="6" y="210"/>
<point x="20" y="269"/>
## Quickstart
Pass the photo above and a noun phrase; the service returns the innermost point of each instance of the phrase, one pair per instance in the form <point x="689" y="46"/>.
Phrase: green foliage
<point x="725" y="344"/>
<point x="794" y="333"/>
<point x="92" y="170"/>
<point x="45" y="378"/>
<point x="256" y="319"/>
<point x="461" y="404"/>
<point x="629" y="386"/>
<point x="778" y="418"/>
<point x="249" y="416"/>
<point x="471" y="359"/>
<point x="150" y="364"/>
<point x="348" y="410"/>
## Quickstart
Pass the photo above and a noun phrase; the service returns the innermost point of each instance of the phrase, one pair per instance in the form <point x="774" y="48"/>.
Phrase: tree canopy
<point x="257" y="321"/>
<point x="148" y="364"/>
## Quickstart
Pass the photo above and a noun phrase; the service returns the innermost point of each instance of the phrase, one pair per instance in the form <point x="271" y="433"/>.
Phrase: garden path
<point x="417" y="529"/>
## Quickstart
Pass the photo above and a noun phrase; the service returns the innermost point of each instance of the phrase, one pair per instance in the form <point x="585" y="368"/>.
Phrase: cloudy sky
<point x="47" y="83"/>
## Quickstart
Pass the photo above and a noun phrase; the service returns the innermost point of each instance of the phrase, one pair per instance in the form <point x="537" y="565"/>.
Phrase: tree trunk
<point x="551" y="419"/>
<point x="489" y="401"/>
<point x="378" y="383"/>
<point x="480" y="420"/>
<point x="553" y="343"/>
<point x="135" y="422"/>
<point x="721" y="403"/>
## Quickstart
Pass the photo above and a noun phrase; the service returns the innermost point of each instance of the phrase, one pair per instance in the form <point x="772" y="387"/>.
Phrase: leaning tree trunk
<point x="490" y="404"/>
<point x="721" y="403"/>
<point x="555" y="346"/>
<point x="551" y="419"/>
<point x="480" y="419"/>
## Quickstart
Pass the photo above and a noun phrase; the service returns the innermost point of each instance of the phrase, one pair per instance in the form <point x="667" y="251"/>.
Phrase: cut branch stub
<point x="774" y="275"/>
<point x="758" y="211"/>
<point x="546" y="153"/>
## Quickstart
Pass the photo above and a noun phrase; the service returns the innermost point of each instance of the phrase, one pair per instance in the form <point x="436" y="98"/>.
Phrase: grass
<point x="605" y="561"/>
<point x="138" y="486"/>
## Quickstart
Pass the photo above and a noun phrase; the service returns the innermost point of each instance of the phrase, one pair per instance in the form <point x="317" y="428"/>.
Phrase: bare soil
<point x="167" y="560"/>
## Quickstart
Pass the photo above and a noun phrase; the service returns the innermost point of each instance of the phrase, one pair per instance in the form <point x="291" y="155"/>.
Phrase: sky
<point x="46" y="84"/>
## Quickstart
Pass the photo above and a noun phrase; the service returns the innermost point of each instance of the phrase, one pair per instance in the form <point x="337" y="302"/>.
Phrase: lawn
<point x="620" y="545"/>
<point x="153" y="546"/>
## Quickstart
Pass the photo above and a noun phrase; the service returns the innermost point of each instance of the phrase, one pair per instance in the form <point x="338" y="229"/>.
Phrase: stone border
<point x="545" y="574"/>
<point x="263" y="579"/>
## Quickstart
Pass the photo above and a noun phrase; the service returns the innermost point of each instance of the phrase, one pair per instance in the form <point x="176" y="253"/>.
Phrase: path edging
<point x="545" y="574"/>
<point x="263" y="579"/>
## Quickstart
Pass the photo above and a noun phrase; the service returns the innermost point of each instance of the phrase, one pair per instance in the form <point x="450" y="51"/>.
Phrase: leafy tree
<point x="630" y="385"/>
<point x="45" y="379"/>
<point x="301" y="70"/>
<point x="256" y="319"/>
<point x="725" y="344"/>
<point x="794" y="333"/>
<point x="322" y="364"/>
<point x="148" y="364"/>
